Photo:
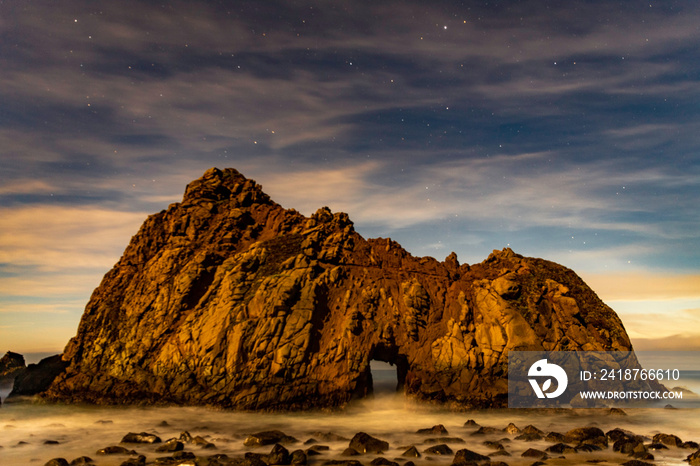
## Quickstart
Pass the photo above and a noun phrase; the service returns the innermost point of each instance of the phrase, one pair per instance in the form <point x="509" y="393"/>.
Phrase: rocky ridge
<point x="228" y="299"/>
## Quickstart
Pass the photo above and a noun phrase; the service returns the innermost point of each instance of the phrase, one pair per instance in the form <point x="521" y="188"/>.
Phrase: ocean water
<point x="82" y="430"/>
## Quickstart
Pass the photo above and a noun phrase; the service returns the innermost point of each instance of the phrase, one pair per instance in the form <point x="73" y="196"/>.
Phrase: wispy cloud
<point x="55" y="239"/>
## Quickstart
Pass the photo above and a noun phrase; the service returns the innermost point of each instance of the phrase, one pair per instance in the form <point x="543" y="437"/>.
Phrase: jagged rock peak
<point x="222" y="185"/>
<point x="228" y="299"/>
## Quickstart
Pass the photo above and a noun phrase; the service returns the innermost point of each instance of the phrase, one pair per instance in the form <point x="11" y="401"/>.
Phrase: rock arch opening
<point x="386" y="371"/>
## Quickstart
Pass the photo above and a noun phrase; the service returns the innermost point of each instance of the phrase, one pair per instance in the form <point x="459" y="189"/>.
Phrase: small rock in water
<point x="50" y="442"/>
<point x="529" y="437"/>
<point x="319" y="448"/>
<point x="493" y="445"/>
<point x="342" y="463"/>
<point x="185" y="437"/>
<point x="365" y="443"/>
<point x="587" y="435"/>
<point x="329" y="437"/>
<point x="636" y="463"/>
<point x="555" y="437"/>
<point x="412" y="452"/>
<point x="512" y="429"/>
<point x="694" y="458"/>
<point x="617" y="433"/>
<point x="57" y="462"/>
<point x="115" y="450"/>
<point x="441" y="449"/>
<point x="171" y="446"/>
<point x="444" y="440"/>
<point x="279" y="455"/>
<point x="253" y="459"/>
<point x="184" y="455"/>
<point x="471" y="423"/>
<point x="141" y="437"/>
<point x="616" y="412"/>
<point x="350" y="452"/>
<point x="668" y="439"/>
<point x="628" y="445"/>
<point x="298" y="457"/>
<point x="690" y="445"/>
<point x="268" y="437"/>
<point x="138" y="461"/>
<point x="82" y="460"/>
<point x="485" y="430"/>
<point x="530" y="429"/>
<point x="435" y="430"/>
<point x="534" y="453"/>
<point x="560" y="448"/>
<point x="198" y="440"/>
<point x="383" y="462"/>
<point x="587" y="447"/>
<point x="466" y="456"/>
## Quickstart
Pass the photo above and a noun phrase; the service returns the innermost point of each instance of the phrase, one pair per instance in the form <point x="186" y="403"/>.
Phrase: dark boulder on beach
<point x="279" y="455"/>
<point x="140" y="437"/>
<point x="438" y="429"/>
<point x="440" y="450"/>
<point x="115" y="450"/>
<point x="171" y="445"/>
<point x="629" y="445"/>
<point x="380" y="461"/>
<point x="268" y="437"/>
<point x="57" y="462"/>
<point x="534" y="453"/>
<point x="82" y="460"/>
<point x="694" y="458"/>
<point x="588" y="436"/>
<point x="637" y="463"/>
<point x="365" y="443"/>
<point x="228" y="299"/>
<point x="560" y="448"/>
<point x="138" y="461"/>
<point x="298" y="457"/>
<point x="466" y="456"/>
<point x="668" y="439"/>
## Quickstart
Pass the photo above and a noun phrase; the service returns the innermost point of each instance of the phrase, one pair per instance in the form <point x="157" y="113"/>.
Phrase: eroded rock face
<point x="228" y="299"/>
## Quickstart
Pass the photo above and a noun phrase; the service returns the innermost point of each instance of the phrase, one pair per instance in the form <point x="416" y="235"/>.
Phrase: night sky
<point x="564" y="130"/>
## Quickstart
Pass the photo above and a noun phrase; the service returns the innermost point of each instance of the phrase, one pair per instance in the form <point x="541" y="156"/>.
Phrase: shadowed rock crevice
<point x="228" y="299"/>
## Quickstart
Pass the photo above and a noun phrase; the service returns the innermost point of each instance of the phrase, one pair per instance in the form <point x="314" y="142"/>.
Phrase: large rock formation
<point x="228" y="299"/>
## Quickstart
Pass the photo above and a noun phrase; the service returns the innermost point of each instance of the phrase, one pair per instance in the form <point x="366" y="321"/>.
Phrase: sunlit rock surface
<point x="228" y="299"/>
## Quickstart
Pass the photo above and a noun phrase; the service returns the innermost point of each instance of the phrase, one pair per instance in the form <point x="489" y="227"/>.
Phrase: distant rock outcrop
<point x="228" y="299"/>
<point x="36" y="378"/>
<point x="11" y="364"/>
